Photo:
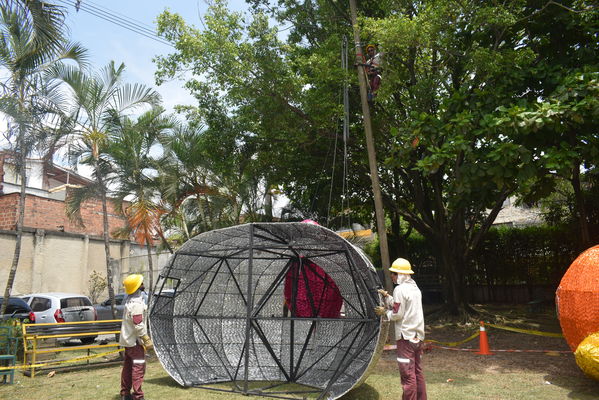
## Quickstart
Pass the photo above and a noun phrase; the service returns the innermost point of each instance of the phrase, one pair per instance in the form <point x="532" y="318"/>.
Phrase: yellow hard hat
<point x="369" y="46"/>
<point x="401" y="266"/>
<point x="132" y="283"/>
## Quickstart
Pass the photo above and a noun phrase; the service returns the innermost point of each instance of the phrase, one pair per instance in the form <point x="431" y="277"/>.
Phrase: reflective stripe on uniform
<point x="403" y="360"/>
<point x="139" y="361"/>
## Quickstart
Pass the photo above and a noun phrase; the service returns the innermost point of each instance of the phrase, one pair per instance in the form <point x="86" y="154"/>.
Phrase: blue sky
<point x="106" y="41"/>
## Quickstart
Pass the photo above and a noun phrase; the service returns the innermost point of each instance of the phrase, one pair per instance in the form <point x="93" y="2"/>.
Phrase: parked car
<point x="17" y="309"/>
<point x="62" y="307"/>
<point x="103" y="309"/>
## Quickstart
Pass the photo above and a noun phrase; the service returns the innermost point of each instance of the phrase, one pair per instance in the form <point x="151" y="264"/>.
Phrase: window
<point x="74" y="302"/>
<point x="16" y="308"/>
<point x="40" y="304"/>
<point x="15" y="305"/>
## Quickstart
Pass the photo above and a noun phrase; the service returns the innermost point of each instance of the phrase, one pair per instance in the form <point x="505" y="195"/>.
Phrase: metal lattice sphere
<point x="268" y="307"/>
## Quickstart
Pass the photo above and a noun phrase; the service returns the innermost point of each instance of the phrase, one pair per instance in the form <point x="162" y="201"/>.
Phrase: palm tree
<point x="186" y="181"/>
<point x="207" y="181"/>
<point x="97" y="100"/>
<point x="32" y="40"/>
<point x="130" y="150"/>
<point x="46" y="20"/>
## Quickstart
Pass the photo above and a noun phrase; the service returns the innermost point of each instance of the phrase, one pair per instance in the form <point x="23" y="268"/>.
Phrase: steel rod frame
<point x="251" y="305"/>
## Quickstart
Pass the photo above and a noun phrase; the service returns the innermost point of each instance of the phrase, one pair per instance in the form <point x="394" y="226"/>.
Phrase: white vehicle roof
<point x="59" y="295"/>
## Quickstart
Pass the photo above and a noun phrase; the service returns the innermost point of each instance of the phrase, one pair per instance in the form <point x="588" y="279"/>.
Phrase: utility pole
<point x="374" y="176"/>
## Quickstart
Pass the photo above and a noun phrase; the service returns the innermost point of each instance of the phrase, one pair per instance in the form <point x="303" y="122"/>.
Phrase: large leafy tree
<point x="97" y="99"/>
<point x="450" y="68"/>
<point x="32" y="39"/>
<point x="448" y="158"/>
<point x="562" y="128"/>
<point x="279" y="100"/>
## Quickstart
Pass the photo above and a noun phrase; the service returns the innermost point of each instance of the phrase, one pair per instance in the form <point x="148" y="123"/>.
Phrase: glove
<point x="380" y="311"/>
<point x="146" y="342"/>
<point x="383" y="293"/>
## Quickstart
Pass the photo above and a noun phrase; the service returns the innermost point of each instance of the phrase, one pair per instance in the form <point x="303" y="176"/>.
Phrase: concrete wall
<point x="54" y="261"/>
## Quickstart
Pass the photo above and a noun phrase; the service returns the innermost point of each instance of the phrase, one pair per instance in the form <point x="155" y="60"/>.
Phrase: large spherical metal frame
<point x="218" y="313"/>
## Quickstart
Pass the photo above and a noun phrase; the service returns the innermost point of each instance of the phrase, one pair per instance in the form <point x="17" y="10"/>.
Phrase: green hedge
<point x="534" y="255"/>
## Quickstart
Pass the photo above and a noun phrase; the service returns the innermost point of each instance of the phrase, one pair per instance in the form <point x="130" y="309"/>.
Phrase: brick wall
<point x="49" y="214"/>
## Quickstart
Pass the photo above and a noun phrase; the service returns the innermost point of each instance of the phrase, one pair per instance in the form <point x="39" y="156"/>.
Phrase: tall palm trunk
<point x="165" y="242"/>
<point x="20" y="220"/>
<point x="150" y="266"/>
<point x="105" y="234"/>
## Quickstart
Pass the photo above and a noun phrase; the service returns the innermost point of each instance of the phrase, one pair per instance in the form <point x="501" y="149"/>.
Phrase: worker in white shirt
<point x="134" y="338"/>
<point x="404" y="308"/>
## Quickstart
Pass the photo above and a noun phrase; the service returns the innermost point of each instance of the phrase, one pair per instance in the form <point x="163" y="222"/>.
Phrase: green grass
<point x="450" y="375"/>
<point x="485" y="378"/>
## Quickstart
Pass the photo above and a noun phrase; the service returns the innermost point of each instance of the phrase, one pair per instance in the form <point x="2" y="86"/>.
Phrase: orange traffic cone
<point x="484" y="342"/>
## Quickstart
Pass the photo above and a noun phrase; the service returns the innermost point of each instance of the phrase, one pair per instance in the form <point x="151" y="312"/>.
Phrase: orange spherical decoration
<point x="577" y="298"/>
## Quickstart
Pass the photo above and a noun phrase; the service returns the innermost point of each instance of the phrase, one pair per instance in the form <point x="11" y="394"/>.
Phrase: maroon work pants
<point x="412" y="379"/>
<point x="134" y="368"/>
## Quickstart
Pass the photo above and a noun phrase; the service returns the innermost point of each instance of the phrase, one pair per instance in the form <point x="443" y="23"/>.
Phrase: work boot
<point x="126" y="397"/>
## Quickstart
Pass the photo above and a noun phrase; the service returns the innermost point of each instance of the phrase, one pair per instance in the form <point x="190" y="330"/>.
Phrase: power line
<point x="91" y="7"/>
<point x="113" y="18"/>
<point x="130" y="25"/>
<point x="135" y="21"/>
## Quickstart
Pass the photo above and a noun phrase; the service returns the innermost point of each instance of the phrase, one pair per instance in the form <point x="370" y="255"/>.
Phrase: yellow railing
<point x="34" y="336"/>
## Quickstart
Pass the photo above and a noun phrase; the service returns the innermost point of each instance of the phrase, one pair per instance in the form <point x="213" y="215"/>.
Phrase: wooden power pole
<point x="374" y="176"/>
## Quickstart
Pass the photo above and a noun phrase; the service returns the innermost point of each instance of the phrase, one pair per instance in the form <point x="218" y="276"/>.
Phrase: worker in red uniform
<point x="373" y="70"/>
<point x="134" y="338"/>
<point x="404" y="308"/>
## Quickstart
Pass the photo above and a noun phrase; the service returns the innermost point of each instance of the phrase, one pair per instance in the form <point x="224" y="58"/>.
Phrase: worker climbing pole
<point x="374" y="176"/>
<point x="373" y="71"/>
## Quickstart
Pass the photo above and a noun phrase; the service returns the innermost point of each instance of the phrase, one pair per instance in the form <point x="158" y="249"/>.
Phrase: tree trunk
<point x="165" y="242"/>
<point x="453" y="266"/>
<point x="105" y="234"/>
<point x="268" y="205"/>
<point x="582" y="214"/>
<point x="150" y="266"/>
<point x="20" y="220"/>
<point x="201" y="210"/>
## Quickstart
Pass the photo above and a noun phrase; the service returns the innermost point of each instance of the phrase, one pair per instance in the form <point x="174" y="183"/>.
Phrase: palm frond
<point x="75" y="199"/>
<point x="130" y="96"/>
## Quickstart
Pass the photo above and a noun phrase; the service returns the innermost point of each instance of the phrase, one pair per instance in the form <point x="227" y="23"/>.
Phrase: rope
<point x="527" y="331"/>
<point x="451" y="345"/>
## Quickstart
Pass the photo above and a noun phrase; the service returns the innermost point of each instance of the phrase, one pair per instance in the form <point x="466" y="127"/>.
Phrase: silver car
<point x="104" y="311"/>
<point x="61" y="307"/>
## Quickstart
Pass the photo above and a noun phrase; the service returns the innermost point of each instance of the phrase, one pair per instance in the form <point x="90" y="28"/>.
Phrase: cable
<point x="345" y="125"/>
<point x="140" y="23"/>
<point x="332" y="180"/>
<point x="109" y="13"/>
<point x="150" y="34"/>
<point x="115" y="19"/>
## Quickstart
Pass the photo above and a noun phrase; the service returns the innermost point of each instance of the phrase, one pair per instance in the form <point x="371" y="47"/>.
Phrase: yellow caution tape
<point x="82" y="358"/>
<point x="529" y="331"/>
<point x="455" y="343"/>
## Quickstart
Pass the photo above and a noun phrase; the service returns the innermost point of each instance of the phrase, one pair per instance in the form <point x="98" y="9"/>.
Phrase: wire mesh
<point x="278" y="303"/>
